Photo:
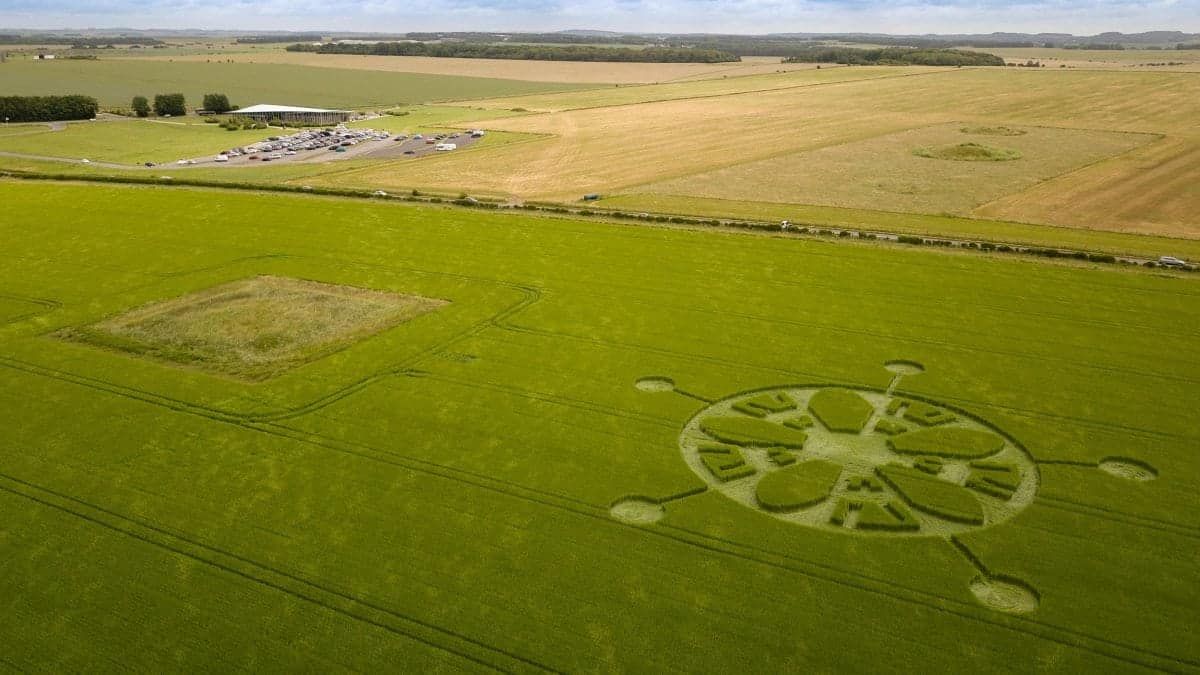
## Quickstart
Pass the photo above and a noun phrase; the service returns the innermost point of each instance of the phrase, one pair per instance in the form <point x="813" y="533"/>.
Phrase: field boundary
<point x="802" y="229"/>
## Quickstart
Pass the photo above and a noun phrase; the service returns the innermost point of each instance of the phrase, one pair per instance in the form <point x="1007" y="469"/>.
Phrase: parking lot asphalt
<point x="324" y="145"/>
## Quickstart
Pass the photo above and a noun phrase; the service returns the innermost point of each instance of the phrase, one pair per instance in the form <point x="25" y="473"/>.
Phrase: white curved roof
<point x="269" y="108"/>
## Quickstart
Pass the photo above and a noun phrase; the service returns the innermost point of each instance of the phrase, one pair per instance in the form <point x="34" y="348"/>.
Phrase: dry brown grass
<point x="532" y="71"/>
<point x="254" y="328"/>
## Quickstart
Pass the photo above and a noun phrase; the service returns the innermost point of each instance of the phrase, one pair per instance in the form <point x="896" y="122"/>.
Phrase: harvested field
<point x="926" y="170"/>
<point x="1154" y="190"/>
<point x="577" y="72"/>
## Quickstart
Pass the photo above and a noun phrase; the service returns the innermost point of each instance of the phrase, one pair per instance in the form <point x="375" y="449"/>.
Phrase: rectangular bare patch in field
<point x="255" y="328"/>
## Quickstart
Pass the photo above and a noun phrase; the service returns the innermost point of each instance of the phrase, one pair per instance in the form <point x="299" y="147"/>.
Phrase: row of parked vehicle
<point x="337" y="139"/>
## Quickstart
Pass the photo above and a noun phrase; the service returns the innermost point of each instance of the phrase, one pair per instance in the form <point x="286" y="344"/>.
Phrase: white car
<point x="1171" y="261"/>
<point x="379" y="193"/>
<point x="221" y="158"/>
<point x="181" y="162"/>
<point x="290" y="152"/>
<point x="276" y="155"/>
<point x="85" y="161"/>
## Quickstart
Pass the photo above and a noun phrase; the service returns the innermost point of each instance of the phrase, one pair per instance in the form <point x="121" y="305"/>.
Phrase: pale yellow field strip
<point x="884" y="172"/>
<point x="1134" y="60"/>
<point x="693" y="89"/>
<point x="505" y="69"/>
<point x="1153" y="190"/>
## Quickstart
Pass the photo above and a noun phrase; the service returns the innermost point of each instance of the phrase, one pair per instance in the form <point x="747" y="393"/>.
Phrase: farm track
<point x="317" y="593"/>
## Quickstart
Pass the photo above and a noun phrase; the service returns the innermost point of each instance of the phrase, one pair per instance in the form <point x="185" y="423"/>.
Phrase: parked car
<point x="221" y="158"/>
<point x="149" y="164"/>
<point x="1171" y="261"/>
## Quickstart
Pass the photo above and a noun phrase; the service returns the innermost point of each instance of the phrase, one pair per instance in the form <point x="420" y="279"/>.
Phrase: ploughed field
<point x="246" y="431"/>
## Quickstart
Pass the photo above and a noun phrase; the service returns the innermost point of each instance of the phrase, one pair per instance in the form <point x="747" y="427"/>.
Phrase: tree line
<point x="465" y="50"/>
<point x="895" y="56"/>
<point x="277" y="39"/>
<point x="76" y="41"/>
<point x="175" y="105"/>
<point x="47" y="108"/>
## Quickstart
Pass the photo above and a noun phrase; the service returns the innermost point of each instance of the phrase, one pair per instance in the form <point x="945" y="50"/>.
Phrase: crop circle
<point x="859" y="461"/>
<point x="1129" y="469"/>
<point x="1004" y="595"/>
<point x="637" y="510"/>
<point x="655" y="384"/>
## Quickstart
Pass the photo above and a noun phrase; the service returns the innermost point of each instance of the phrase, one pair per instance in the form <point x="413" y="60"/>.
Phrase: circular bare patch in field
<point x="904" y="367"/>
<point x="1004" y="594"/>
<point x="969" y="152"/>
<point x="637" y="510"/>
<point x="1129" y="469"/>
<point x="859" y="461"/>
<point x="993" y="131"/>
<point x="655" y="384"/>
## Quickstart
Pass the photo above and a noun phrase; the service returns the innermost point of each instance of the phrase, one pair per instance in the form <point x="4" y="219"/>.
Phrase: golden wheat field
<point x="832" y="137"/>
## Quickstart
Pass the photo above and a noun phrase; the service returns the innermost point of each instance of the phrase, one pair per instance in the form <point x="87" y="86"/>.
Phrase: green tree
<point x="218" y="103"/>
<point x="169" y="104"/>
<point x="141" y="106"/>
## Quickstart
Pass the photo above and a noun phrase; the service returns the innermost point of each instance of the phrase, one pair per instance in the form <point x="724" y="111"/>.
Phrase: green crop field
<point x="129" y="141"/>
<point x="115" y="82"/>
<point x="527" y="444"/>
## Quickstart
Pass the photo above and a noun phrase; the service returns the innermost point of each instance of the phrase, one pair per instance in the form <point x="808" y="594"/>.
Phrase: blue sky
<point x="740" y="16"/>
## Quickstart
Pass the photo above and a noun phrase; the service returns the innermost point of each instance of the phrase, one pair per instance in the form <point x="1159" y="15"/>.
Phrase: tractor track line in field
<point x="749" y="553"/>
<point x="332" y="599"/>
<point x="685" y="536"/>
<point x="830" y="381"/>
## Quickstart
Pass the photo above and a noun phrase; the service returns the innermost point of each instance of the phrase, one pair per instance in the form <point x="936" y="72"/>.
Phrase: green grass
<point x="840" y="410"/>
<point x="947" y="442"/>
<point x="115" y="82"/>
<point x="910" y="223"/>
<point x="798" y="486"/>
<point x="436" y="497"/>
<point x="421" y="117"/>
<point x="131" y="141"/>
<point x="931" y="495"/>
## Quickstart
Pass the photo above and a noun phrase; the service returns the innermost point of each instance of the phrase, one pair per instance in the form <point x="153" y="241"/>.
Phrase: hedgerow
<point x="47" y="108"/>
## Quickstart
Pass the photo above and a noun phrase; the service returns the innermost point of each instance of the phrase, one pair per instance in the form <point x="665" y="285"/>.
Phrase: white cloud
<point x="741" y="16"/>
